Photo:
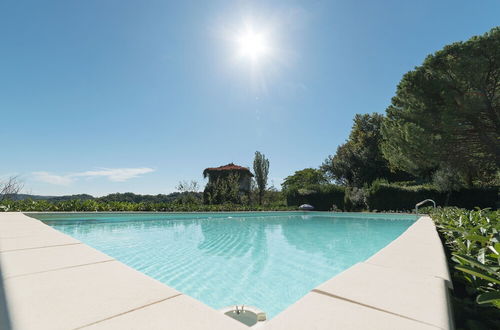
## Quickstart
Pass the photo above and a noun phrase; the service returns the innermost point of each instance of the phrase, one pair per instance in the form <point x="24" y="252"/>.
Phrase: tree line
<point x="442" y="127"/>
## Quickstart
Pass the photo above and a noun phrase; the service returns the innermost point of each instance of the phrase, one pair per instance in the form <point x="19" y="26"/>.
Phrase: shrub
<point x="446" y="180"/>
<point x="224" y="189"/>
<point x="97" y="206"/>
<point x="323" y="197"/>
<point x="472" y="240"/>
<point x="482" y="197"/>
<point x="384" y="197"/>
<point x="387" y="197"/>
<point x="355" y="199"/>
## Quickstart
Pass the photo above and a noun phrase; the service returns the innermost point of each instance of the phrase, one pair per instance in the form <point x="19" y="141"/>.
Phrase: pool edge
<point x="427" y="265"/>
<point x="375" y="294"/>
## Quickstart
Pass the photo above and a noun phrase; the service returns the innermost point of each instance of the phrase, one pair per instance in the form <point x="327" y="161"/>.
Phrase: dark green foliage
<point x="359" y="161"/>
<point x="446" y="180"/>
<point x="355" y="199"/>
<point x="189" y="197"/>
<point x="53" y="198"/>
<point x="135" y="198"/>
<point x="261" y="171"/>
<point x="323" y="197"/>
<point x="303" y="179"/>
<point x="223" y="189"/>
<point x="115" y="197"/>
<point x="309" y="186"/>
<point x="188" y="193"/>
<point x="446" y="112"/>
<point x="387" y="197"/>
<point x="273" y="197"/>
<point x="472" y="241"/>
<point x="98" y="206"/>
<point x="390" y="197"/>
<point x="470" y="198"/>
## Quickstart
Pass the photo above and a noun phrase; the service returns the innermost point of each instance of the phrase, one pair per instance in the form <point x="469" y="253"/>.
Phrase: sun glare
<point x="253" y="45"/>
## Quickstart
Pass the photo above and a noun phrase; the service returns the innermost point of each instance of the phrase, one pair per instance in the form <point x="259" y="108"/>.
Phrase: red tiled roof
<point x="228" y="167"/>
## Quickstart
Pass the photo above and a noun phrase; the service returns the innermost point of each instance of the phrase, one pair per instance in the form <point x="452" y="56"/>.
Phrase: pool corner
<point x="403" y="286"/>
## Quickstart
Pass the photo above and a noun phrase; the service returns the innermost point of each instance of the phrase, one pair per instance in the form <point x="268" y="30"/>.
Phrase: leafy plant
<point x="473" y="240"/>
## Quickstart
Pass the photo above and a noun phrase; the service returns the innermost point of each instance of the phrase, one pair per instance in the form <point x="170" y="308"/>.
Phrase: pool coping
<point x="403" y="286"/>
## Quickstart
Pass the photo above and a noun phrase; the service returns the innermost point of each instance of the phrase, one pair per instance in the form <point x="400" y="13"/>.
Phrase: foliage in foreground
<point x="97" y="206"/>
<point x="473" y="242"/>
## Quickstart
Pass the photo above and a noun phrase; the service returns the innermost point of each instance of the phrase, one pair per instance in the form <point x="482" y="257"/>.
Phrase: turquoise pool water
<point x="267" y="260"/>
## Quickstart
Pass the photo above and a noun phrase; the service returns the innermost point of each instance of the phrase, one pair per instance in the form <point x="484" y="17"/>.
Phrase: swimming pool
<point x="267" y="260"/>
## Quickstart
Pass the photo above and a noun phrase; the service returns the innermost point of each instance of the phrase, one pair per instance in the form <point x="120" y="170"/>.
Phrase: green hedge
<point x="475" y="197"/>
<point x="387" y="197"/>
<point x="322" y="197"/>
<point x="97" y="206"/>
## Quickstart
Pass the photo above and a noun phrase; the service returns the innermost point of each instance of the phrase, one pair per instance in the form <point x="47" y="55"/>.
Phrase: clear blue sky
<point x="101" y="96"/>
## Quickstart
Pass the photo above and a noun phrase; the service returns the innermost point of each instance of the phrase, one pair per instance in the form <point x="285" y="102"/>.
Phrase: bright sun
<point x="252" y="45"/>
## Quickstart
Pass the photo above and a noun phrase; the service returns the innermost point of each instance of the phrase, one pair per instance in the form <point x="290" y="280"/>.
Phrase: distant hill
<point x="53" y="198"/>
<point x="116" y="197"/>
<point x="134" y="198"/>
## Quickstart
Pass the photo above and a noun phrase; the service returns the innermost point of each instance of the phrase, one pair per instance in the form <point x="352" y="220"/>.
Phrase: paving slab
<point x="18" y="231"/>
<point x="73" y="297"/>
<point x="36" y="240"/>
<point x="29" y="261"/>
<point x="424" y="225"/>
<point x="417" y="250"/>
<point x="178" y="313"/>
<point x="22" y="228"/>
<point x="14" y="216"/>
<point x="419" y="297"/>
<point x="321" y="312"/>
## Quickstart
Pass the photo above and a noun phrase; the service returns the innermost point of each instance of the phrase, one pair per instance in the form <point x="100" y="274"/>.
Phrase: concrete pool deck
<point x="53" y="281"/>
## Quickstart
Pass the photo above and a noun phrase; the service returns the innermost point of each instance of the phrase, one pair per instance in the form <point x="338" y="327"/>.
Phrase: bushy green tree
<point x="356" y="199"/>
<point x="274" y="197"/>
<point x="310" y="186"/>
<point x="446" y="112"/>
<point x="446" y="180"/>
<point x="359" y="161"/>
<point x="261" y="171"/>
<point x="303" y="179"/>
<point x="222" y="190"/>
